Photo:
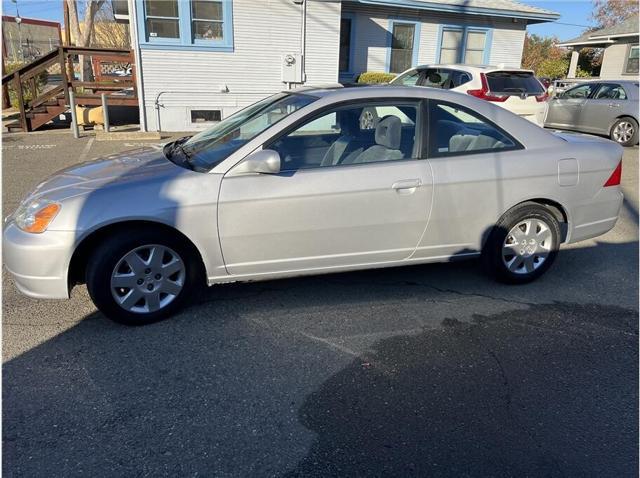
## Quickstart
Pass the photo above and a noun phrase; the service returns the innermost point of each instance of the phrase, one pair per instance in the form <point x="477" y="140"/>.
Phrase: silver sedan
<point x="311" y="181"/>
<point x="608" y="108"/>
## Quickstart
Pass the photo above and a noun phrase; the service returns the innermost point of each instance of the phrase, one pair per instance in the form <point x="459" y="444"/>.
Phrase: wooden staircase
<point x="48" y="104"/>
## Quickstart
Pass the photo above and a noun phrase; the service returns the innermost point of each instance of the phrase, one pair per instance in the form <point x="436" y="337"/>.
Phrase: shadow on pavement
<point x="547" y="391"/>
<point x="230" y="388"/>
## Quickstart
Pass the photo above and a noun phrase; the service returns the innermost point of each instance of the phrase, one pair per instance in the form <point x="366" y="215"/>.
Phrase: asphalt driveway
<point x="418" y="371"/>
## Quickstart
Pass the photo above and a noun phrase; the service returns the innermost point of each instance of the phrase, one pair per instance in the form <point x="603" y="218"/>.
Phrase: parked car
<point x="545" y="81"/>
<point x="303" y="183"/>
<point x="608" y="108"/>
<point x="515" y="89"/>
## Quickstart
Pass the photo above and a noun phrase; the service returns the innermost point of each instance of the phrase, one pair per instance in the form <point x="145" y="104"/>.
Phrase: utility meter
<point x="292" y="68"/>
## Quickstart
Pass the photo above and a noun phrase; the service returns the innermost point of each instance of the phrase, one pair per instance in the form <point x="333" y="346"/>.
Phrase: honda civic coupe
<point x="312" y="181"/>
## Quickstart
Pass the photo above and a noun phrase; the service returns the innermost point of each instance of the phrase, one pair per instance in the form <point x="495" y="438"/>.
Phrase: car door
<point x="467" y="153"/>
<point x="566" y="109"/>
<point x="370" y="205"/>
<point x="601" y="110"/>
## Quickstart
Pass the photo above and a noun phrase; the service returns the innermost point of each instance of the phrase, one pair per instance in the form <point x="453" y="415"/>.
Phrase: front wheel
<point x="142" y="276"/>
<point x="625" y="132"/>
<point x="523" y="245"/>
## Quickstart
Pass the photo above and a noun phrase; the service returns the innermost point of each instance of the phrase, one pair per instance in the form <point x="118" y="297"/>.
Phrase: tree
<point x="608" y="13"/>
<point x="84" y="34"/>
<point x="541" y="55"/>
<point x="107" y="33"/>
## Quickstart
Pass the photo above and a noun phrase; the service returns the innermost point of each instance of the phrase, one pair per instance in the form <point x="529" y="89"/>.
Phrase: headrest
<point x="388" y="132"/>
<point x="349" y="123"/>
<point x="435" y="78"/>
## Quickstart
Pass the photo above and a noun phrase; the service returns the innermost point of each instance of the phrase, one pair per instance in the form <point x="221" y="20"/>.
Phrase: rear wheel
<point x="142" y="276"/>
<point x="625" y="132"/>
<point x="523" y="245"/>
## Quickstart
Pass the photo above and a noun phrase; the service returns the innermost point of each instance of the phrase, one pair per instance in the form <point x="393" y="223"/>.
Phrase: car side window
<point x="460" y="78"/>
<point x="611" y="91"/>
<point x="350" y="135"/>
<point x="408" y="79"/>
<point x="582" y="91"/>
<point x="442" y="78"/>
<point x="454" y="130"/>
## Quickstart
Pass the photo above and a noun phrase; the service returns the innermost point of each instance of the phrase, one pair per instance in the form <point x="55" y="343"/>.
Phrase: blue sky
<point x="576" y="12"/>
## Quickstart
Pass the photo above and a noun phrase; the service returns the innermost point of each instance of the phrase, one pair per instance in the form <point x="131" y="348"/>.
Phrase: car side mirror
<point x="265" y="161"/>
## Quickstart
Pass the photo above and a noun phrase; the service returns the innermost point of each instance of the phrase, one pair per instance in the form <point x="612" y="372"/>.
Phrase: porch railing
<point x="24" y="82"/>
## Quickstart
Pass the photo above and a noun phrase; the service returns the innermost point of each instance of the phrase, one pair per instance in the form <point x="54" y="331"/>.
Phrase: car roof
<point x="471" y="68"/>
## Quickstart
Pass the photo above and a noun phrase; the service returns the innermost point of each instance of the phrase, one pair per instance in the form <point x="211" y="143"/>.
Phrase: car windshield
<point x="514" y="82"/>
<point x="205" y="150"/>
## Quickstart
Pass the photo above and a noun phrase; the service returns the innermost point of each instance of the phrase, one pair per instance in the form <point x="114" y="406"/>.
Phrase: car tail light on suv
<point x="484" y="93"/>
<point x="616" y="176"/>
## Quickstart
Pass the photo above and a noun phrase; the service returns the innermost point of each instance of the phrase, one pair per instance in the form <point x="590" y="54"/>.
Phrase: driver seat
<point x="347" y="147"/>
<point x="388" y="139"/>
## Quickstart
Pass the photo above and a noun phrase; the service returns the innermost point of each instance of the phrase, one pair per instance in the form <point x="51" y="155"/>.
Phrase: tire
<point x="625" y="131"/>
<point x="507" y="258"/>
<point x="173" y="274"/>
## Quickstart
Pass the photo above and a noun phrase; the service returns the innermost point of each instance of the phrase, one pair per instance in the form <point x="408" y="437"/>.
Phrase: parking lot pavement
<point x="423" y="370"/>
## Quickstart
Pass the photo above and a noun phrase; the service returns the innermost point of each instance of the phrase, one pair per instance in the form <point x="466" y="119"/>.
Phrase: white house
<point x="201" y="60"/>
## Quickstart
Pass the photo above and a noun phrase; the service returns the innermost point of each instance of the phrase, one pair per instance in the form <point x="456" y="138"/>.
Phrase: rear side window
<point x="610" y="91"/>
<point x="410" y="78"/>
<point x="514" y="82"/>
<point x="454" y="130"/>
<point x="445" y="78"/>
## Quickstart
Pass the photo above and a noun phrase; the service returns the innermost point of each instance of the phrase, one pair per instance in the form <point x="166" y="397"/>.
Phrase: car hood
<point x="136" y="166"/>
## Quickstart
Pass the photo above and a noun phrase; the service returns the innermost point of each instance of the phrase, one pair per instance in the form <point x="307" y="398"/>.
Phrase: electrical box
<point x="292" y="68"/>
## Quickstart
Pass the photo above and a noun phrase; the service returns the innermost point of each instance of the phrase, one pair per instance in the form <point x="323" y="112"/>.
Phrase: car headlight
<point x="36" y="215"/>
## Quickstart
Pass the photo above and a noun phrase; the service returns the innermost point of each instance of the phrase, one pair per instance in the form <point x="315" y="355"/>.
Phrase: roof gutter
<point x="439" y="7"/>
<point x="586" y="43"/>
<point x="615" y="35"/>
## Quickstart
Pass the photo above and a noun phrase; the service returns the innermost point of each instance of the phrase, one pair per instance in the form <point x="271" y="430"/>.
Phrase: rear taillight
<point x="543" y="97"/>
<point x="616" y="176"/>
<point x="484" y="93"/>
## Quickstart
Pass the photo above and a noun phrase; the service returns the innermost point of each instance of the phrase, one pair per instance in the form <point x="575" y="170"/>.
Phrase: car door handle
<point x="613" y="105"/>
<point x="406" y="185"/>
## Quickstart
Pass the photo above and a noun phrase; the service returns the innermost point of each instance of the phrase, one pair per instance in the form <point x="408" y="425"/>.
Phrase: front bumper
<point x="38" y="262"/>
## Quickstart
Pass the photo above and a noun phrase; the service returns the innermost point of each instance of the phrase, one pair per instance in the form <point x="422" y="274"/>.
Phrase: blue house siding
<point x="503" y="42"/>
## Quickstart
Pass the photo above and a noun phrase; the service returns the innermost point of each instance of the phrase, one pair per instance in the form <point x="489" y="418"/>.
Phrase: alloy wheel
<point x="148" y="278"/>
<point x="527" y="246"/>
<point x="623" y="132"/>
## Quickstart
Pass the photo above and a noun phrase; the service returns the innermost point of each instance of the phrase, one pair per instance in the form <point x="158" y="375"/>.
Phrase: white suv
<point x="515" y="89"/>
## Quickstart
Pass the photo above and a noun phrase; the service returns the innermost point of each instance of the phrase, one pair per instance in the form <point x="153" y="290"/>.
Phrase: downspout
<point x="303" y="40"/>
<point x="133" y="29"/>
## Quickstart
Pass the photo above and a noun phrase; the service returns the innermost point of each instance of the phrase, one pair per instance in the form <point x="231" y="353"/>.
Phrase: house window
<point x="162" y="18"/>
<point x="474" y="48"/>
<point x="345" y="44"/>
<point x="451" y="49"/>
<point x="206" y="116"/>
<point x="467" y="45"/>
<point x="404" y="46"/>
<point x="196" y="24"/>
<point x="207" y="20"/>
<point x="632" y="60"/>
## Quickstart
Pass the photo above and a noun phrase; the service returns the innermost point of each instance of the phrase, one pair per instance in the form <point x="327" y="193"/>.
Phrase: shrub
<point x="373" y="77"/>
<point x="580" y="73"/>
<point x="41" y="81"/>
